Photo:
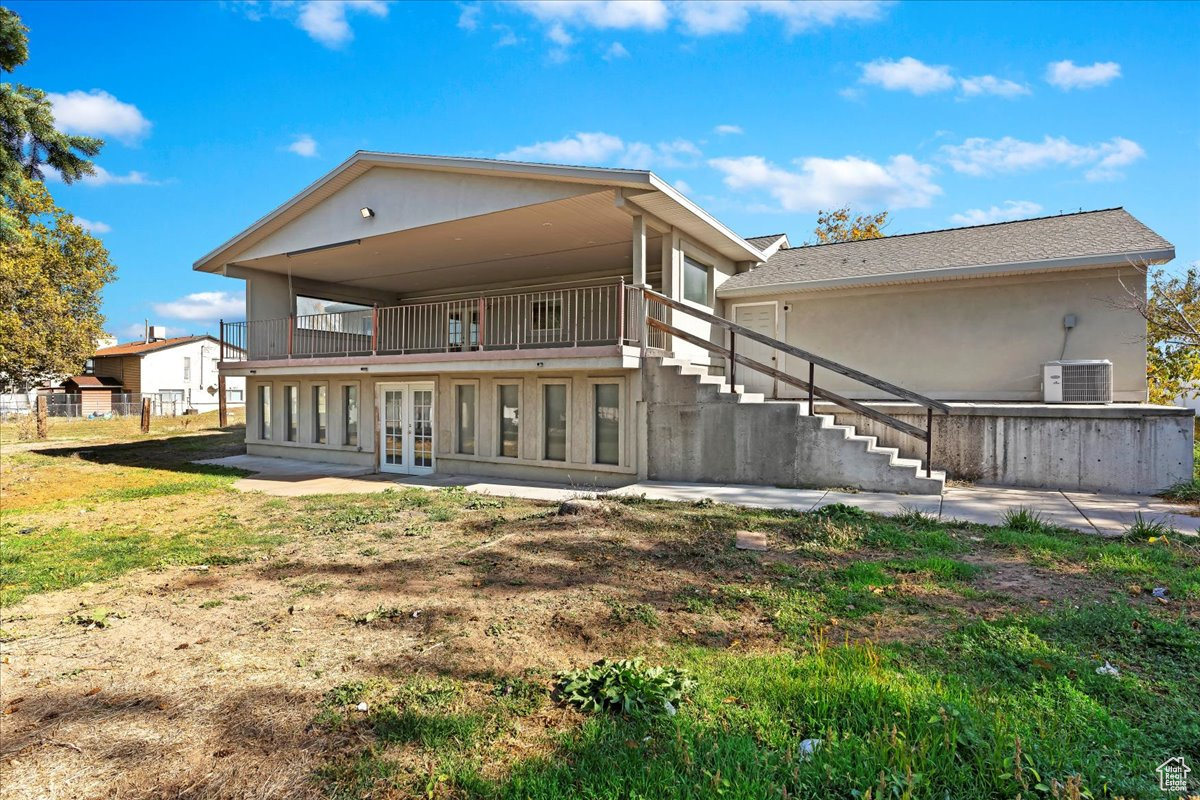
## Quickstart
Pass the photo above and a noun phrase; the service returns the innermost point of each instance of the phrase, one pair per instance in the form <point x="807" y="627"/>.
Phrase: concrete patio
<point x="1103" y="514"/>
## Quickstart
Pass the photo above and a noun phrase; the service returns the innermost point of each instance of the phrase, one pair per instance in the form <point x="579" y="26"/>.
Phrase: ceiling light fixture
<point x="366" y="212"/>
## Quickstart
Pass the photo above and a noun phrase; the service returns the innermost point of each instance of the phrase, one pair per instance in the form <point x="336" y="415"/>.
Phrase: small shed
<point x="95" y="392"/>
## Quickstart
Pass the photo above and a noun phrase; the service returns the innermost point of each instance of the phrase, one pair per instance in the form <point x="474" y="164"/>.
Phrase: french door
<point x="406" y="428"/>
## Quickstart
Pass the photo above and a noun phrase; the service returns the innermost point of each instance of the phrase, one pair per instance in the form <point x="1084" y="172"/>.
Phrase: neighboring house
<point x="182" y="369"/>
<point x="421" y="314"/>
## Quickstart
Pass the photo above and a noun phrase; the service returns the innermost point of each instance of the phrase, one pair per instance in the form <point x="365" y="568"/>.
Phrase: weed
<point x="212" y="604"/>
<point x="99" y="617"/>
<point x="1025" y="520"/>
<point x="627" y="614"/>
<point x="627" y="686"/>
<point x="1148" y="528"/>
<point x="440" y="514"/>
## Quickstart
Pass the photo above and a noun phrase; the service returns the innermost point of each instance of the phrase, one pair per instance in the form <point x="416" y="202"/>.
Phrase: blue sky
<point x="763" y="112"/>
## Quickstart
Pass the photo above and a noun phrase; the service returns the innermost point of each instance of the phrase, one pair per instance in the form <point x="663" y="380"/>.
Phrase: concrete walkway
<point x="1103" y="514"/>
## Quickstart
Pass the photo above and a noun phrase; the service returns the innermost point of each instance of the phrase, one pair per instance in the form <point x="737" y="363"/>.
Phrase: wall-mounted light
<point x="367" y="213"/>
<point x="362" y="369"/>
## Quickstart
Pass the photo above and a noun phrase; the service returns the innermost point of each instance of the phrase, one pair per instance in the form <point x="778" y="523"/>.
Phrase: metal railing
<point x="569" y="317"/>
<point x="655" y="321"/>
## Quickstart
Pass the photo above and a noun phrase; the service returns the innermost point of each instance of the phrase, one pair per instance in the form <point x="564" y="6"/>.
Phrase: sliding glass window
<point x="320" y="414"/>
<point x="350" y="415"/>
<point x="264" y="411"/>
<point x="606" y="422"/>
<point x="554" y="422"/>
<point x="465" y="407"/>
<point x="291" y="412"/>
<point x="509" y="395"/>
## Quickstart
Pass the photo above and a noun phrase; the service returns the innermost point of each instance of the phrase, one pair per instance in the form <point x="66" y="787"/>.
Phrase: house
<point x="178" y="373"/>
<point x="419" y="314"/>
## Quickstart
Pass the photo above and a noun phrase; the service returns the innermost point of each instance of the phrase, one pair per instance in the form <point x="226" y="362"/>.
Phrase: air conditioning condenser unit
<point x="1078" y="381"/>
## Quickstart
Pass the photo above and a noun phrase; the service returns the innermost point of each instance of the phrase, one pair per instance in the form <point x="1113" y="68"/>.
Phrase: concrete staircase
<point x="704" y="429"/>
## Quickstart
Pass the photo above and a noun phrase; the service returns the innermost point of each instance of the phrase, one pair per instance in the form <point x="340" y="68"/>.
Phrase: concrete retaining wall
<point x="1129" y="449"/>
<point x="697" y="434"/>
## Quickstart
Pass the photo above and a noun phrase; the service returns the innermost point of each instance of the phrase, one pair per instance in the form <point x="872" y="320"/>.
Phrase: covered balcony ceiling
<point x="587" y="235"/>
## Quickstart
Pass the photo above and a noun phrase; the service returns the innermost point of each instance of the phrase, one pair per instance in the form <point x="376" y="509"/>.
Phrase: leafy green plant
<point x="626" y="685"/>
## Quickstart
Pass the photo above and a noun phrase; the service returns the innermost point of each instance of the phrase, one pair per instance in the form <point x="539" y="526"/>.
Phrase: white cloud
<point x="821" y="183"/>
<point x="603" y="14"/>
<point x="728" y="130"/>
<point x="468" y="18"/>
<point x="683" y="186"/>
<point x="907" y="74"/>
<point x="693" y="17"/>
<point x="1012" y="209"/>
<point x="203" y="307"/>
<point x="708" y="17"/>
<point x="990" y="84"/>
<point x="102" y="177"/>
<point x="507" y="37"/>
<point x="615" y="51"/>
<point x="981" y="156"/>
<point x="136" y="332"/>
<point x="304" y="145"/>
<point x="326" y="21"/>
<point x="605" y="149"/>
<point x="91" y="226"/>
<point x="98" y="113"/>
<point x="1066" y="75"/>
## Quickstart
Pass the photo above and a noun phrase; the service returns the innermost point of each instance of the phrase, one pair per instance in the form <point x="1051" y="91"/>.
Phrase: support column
<point x="639" y="250"/>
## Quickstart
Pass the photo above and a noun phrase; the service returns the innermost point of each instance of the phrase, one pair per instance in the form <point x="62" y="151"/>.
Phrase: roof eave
<point x="750" y="252"/>
<point x="1159" y="256"/>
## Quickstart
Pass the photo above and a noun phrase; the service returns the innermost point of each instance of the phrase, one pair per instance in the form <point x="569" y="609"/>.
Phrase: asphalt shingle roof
<point x="762" y="242"/>
<point x="1088" y="233"/>
<point x="141" y="348"/>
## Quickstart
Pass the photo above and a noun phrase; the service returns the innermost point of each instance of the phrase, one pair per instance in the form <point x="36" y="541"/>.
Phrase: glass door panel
<point x="406" y="428"/>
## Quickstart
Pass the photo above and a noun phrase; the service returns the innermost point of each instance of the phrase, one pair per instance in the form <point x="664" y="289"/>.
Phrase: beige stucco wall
<point x="975" y="339"/>
<point x="578" y="468"/>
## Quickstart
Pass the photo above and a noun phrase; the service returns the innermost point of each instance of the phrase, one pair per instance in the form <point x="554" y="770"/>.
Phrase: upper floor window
<point x="546" y="316"/>
<point x="339" y="316"/>
<point x="695" y="281"/>
<point x="187" y="369"/>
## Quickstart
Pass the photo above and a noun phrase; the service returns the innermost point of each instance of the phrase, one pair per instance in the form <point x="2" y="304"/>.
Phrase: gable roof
<point x="142" y="348"/>
<point x="648" y="191"/>
<point x="1066" y="241"/>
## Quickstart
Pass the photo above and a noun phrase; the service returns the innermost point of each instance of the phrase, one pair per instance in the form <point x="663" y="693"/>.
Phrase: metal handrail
<point x="813" y="360"/>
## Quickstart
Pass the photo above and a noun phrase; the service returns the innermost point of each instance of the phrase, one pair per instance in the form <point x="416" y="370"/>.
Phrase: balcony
<point x="585" y="317"/>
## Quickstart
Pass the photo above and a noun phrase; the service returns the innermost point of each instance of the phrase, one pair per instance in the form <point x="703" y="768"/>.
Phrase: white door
<point x="406" y="428"/>
<point x="760" y="318"/>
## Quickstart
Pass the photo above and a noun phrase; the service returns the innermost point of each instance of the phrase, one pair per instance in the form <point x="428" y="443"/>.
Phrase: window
<point x="322" y="314"/>
<point x="320" y="417"/>
<point x="291" y="412"/>
<point x="264" y="411"/>
<point x="233" y="395"/>
<point x="462" y="329"/>
<point x="350" y="415"/>
<point x="187" y="369"/>
<point x="554" y="422"/>
<point x="510" y="419"/>
<point x="546" y="316"/>
<point x="695" y="281"/>
<point x="607" y="423"/>
<point x="465" y="417"/>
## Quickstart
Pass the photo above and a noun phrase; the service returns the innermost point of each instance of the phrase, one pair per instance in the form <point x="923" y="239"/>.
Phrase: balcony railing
<point x="576" y="317"/>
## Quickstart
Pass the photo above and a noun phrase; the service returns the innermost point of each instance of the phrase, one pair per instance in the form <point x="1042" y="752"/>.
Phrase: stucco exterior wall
<point x="974" y="339"/>
<point x="579" y="468"/>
